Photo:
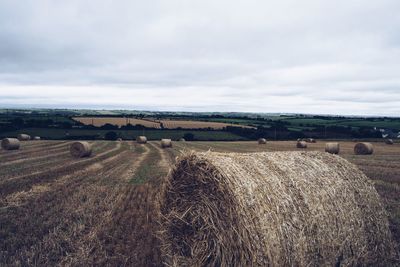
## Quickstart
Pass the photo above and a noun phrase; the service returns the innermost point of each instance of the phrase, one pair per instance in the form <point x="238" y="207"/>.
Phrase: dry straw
<point x="141" y="139"/>
<point x="389" y="141"/>
<point x="24" y="137"/>
<point x="301" y="144"/>
<point x="262" y="141"/>
<point x="10" y="143"/>
<point x="80" y="149"/>
<point x="272" y="209"/>
<point x="363" y="149"/>
<point x="332" y="148"/>
<point x="166" y="143"/>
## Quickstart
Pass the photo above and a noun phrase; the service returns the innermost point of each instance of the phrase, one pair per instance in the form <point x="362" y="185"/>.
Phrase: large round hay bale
<point x="10" y="143"/>
<point x="332" y="148"/>
<point x="301" y="144"/>
<point x="272" y="209"/>
<point x="389" y="141"/>
<point x="166" y="143"/>
<point x="80" y="149"/>
<point x="36" y="138"/>
<point x="262" y="141"/>
<point x="24" y="137"/>
<point x="363" y="149"/>
<point x="141" y="139"/>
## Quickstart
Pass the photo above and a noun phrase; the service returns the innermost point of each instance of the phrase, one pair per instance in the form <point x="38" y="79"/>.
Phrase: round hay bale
<point x="10" y="143"/>
<point x="301" y="144"/>
<point x="182" y="140"/>
<point x="36" y="138"/>
<point x="389" y="141"/>
<point x="80" y="149"/>
<point x="141" y="139"/>
<point x="332" y="148"/>
<point x="272" y="209"/>
<point x="363" y="149"/>
<point x="262" y="141"/>
<point x="24" y="137"/>
<point x="166" y="143"/>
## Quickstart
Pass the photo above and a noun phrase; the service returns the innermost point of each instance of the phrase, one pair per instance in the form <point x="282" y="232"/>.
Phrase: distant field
<point x="153" y="123"/>
<point x="100" y="121"/>
<point x="56" y="210"/>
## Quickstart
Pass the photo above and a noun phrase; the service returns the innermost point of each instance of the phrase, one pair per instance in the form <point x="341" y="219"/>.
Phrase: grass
<point x="149" y="168"/>
<point x="126" y="134"/>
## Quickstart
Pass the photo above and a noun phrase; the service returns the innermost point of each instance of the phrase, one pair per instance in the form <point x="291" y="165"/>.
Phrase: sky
<point x="317" y="57"/>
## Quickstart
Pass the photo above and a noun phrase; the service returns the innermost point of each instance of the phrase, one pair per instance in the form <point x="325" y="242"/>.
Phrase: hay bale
<point x="332" y="148"/>
<point x="272" y="209"/>
<point x="262" y="141"/>
<point x="10" y="143"/>
<point x="80" y="149"/>
<point x="389" y="141"/>
<point x="301" y="144"/>
<point x="166" y="143"/>
<point x="24" y="137"/>
<point x="363" y="149"/>
<point x="182" y="140"/>
<point x="141" y="139"/>
<point x="36" y="138"/>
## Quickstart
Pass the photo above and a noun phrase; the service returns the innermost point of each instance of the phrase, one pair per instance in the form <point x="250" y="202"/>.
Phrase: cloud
<point x="312" y="56"/>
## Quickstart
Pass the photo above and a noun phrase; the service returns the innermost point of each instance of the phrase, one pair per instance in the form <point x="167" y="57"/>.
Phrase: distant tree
<point x="112" y="136"/>
<point x="109" y="126"/>
<point x="66" y="125"/>
<point x="188" y="136"/>
<point x="18" y="122"/>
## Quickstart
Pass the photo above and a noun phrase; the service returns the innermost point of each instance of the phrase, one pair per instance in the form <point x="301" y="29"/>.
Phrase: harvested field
<point x="173" y="124"/>
<point x="100" y="121"/>
<point x="167" y="124"/>
<point x="102" y="210"/>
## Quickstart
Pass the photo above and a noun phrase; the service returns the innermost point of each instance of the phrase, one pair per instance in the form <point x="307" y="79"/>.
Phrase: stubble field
<point x="102" y="210"/>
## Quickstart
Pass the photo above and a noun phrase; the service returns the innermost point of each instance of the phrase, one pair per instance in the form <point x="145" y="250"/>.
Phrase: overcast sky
<point x="331" y="57"/>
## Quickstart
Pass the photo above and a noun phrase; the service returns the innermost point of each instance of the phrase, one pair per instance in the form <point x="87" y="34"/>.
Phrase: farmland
<point x="102" y="210"/>
<point x="154" y="123"/>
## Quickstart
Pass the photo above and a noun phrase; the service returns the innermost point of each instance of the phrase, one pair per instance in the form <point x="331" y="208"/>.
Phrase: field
<point x="102" y="210"/>
<point x="153" y="123"/>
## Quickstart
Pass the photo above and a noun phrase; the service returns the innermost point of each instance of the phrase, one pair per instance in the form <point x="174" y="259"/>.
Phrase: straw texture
<point x="262" y="141"/>
<point x="166" y="143"/>
<point x="10" y="144"/>
<point x="272" y="209"/>
<point x="363" y="149"/>
<point x="141" y="139"/>
<point x="24" y="137"/>
<point x="389" y="141"/>
<point x="301" y="144"/>
<point x="80" y="149"/>
<point x="333" y="148"/>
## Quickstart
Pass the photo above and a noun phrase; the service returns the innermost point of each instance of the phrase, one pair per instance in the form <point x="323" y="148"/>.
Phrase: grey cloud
<point x="303" y="54"/>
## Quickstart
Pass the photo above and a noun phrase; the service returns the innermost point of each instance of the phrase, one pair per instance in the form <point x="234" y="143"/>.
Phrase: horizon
<point x="194" y="112"/>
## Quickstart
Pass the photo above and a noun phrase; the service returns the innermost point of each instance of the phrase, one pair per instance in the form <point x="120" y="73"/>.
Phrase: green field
<point x="125" y="134"/>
